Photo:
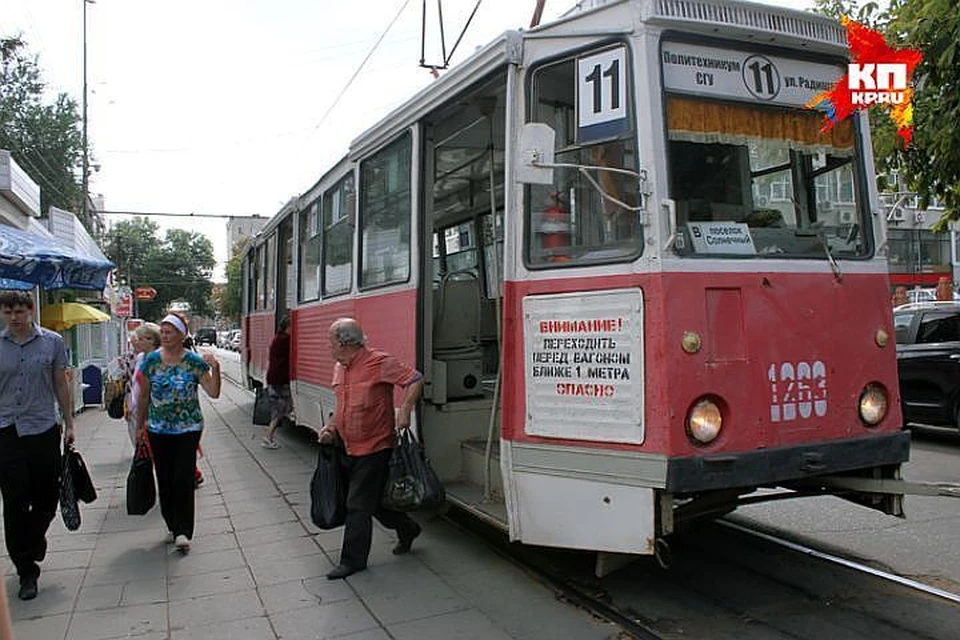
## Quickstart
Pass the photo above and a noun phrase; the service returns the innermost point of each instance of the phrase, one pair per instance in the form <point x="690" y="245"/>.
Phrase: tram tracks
<point x="730" y="581"/>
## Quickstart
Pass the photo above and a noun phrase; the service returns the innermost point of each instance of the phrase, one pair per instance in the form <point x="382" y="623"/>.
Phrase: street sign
<point x="145" y="293"/>
<point x="123" y="302"/>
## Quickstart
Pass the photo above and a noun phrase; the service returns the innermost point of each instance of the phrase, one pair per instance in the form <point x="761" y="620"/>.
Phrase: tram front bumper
<point x="767" y="467"/>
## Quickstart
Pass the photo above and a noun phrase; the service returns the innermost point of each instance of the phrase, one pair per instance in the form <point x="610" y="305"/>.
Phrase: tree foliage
<point x="232" y="299"/>
<point x="45" y="138"/>
<point x="931" y="164"/>
<point x="179" y="265"/>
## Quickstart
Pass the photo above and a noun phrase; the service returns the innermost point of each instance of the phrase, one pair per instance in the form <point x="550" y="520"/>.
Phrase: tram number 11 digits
<point x="799" y="389"/>
<point x="595" y="78"/>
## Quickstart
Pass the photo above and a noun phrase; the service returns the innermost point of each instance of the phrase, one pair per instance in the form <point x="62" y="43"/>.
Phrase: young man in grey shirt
<point x="32" y="380"/>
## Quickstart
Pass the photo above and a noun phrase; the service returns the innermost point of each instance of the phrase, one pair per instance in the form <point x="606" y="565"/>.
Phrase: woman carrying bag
<point x="168" y="412"/>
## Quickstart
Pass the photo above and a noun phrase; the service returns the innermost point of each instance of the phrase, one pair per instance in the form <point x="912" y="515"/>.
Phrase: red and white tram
<point x="639" y="281"/>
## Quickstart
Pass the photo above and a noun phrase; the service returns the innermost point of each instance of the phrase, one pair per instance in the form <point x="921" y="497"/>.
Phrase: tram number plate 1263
<point x="797" y="390"/>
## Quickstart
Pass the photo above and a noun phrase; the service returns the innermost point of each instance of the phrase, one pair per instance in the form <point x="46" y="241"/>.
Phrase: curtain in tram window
<point x="700" y="121"/>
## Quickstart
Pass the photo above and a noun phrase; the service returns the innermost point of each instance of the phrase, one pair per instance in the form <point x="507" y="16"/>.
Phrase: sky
<point x="232" y="107"/>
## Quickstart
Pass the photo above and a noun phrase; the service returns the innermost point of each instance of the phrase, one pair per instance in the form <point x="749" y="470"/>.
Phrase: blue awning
<point x="38" y="258"/>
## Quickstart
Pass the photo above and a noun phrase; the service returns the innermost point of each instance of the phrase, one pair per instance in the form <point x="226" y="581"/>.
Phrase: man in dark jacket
<point x="278" y="383"/>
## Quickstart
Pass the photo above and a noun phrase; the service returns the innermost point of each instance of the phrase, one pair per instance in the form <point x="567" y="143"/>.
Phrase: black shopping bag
<point x="411" y="482"/>
<point x="83" y="487"/>
<point x="261" y="407"/>
<point x="141" y="488"/>
<point x="328" y="491"/>
<point x="69" y="508"/>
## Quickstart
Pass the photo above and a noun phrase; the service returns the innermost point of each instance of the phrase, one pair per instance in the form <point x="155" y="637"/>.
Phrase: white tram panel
<point x="583" y="365"/>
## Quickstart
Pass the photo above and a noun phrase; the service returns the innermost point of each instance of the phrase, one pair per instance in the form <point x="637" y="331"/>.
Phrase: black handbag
<point x="328" y="491"/>
<point x="411" y="482"/>
<point x="83" y="487"/>
<point x="115" y="408"/>
<point x="141" y="488"/>
<point x="261" y="407"/>
<point x="69" y="509"/>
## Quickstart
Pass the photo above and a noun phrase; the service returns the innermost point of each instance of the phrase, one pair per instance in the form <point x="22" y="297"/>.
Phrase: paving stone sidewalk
<point x="257" y="567"/>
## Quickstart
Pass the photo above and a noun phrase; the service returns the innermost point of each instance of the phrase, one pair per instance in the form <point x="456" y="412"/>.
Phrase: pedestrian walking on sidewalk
<point x="168" y="413"/>
<point x="145" y="339"/>
<point x="364" y="419"/>
<point x="278" y="383"/>
<point x="33" y="381"/>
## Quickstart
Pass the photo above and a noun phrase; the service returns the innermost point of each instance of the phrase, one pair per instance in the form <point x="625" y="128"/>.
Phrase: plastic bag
<point x="328" y="491"/>
<point x="83" y="487"/>
<point x="141" y="488"/>
<point x="261" y="407"/>
<point x="69" y="509"/>
<point x="411" y="482"/>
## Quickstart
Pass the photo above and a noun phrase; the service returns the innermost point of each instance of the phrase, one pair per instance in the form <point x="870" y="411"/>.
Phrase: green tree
<point x="179" y="265"/>
<point x="931" y="163"/>
<point x="44" y="138"/>
<point x="232" y="300"/>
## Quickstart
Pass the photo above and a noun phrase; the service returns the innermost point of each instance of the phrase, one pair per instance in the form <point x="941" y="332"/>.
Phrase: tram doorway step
<point x="473" y="454"/>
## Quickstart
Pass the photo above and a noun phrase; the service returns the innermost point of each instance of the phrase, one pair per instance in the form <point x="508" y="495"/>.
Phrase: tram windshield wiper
<point x="819" y="234"/>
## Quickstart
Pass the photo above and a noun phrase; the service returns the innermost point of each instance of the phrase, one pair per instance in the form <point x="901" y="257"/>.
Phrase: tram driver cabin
<point x="627" y="260"/>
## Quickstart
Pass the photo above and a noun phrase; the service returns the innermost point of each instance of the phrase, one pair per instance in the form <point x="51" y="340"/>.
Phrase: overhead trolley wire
<point x="356" y="73"/>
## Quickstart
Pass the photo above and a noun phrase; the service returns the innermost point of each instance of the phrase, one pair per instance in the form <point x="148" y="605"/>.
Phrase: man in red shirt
<point x="364" y="380"/>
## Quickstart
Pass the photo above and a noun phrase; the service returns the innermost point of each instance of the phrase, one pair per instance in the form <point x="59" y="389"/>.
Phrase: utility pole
<point x="85" y="178"/>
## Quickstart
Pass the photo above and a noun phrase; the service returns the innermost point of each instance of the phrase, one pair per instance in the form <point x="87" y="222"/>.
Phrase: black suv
<point x="206" y="335"/>
<point x="928" y="361"/>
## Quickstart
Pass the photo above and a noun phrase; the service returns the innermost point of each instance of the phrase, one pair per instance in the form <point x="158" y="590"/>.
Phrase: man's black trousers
<point x="366" y="478"/>
<point x="175" y="458"/>
<point x="30" y="485"/>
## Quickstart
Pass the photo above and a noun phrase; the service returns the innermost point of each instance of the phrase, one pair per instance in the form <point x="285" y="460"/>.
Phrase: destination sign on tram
<point x="741" y="75"/>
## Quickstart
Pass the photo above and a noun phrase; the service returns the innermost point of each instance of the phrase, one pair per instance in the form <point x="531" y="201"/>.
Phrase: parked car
<point x="205" y="335"/>
<point x="235" y="340"/>
<point x="928" y="361"/>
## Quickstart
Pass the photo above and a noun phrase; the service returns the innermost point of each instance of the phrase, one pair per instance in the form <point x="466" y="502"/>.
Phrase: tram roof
<point x="727" y="18"/>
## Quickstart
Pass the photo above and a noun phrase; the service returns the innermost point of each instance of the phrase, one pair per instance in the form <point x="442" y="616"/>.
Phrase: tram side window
<point x="569" y="221"/>
<point x="259" y="279"/>
<point x="310" y="252"/>
<point x="338" y="207"/>
<point x="385" y="211"/>
<point x="270" y="271"/>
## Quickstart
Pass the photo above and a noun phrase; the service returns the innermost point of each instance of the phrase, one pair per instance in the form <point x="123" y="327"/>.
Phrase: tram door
<point x="463" y="177"/>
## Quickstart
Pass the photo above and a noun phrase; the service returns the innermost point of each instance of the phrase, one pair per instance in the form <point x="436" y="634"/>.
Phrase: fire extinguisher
<point x="555" y="230"/>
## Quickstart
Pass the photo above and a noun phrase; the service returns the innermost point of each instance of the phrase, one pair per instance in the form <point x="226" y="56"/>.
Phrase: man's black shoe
<point x="406" y="539"/>
<point x="341" y="571"/>
<point x="28" y="588"/>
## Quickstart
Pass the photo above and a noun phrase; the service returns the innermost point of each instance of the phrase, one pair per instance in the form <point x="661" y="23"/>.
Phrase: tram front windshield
<point x="757" y="181"/>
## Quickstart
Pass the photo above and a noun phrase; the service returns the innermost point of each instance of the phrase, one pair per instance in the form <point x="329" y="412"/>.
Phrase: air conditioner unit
<point x="847" y="217"/>
<point x="895" y="215"/>
<point x="919" y="217"/>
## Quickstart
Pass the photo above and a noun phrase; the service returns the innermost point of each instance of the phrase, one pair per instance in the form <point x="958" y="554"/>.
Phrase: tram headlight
<point x="873" y="404"/>
<point x="704" y="421"/>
